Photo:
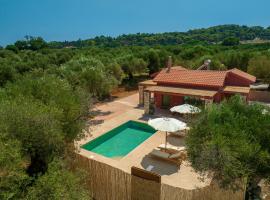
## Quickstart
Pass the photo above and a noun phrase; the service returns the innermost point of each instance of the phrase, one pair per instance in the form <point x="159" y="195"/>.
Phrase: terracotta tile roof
<point x="174" y="67"/>
<point x="192" y="77"/>
<point x="243" y="74"/>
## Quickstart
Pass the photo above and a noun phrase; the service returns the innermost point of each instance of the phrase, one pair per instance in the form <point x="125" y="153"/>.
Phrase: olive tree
<point x="132" y="65"/>
<point x="90" y="74"/>
<point x="231" y="141"/>
<point x="36" y="127"/>
<point x="40" y="117"/>
<point x="44" y="114"/>
<point x="71" y="104"/>
<point x="58" y="183"/>
<point x="259" y="66"/>
<point x="13" y="177"/>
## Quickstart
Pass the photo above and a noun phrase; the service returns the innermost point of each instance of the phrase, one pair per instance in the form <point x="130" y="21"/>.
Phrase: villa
<point x="172" y="85"/>
<point x="117" y="157"/>
<point x="118" y="154"/>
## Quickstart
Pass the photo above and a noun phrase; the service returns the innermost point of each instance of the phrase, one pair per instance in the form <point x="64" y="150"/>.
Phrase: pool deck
<point x="115" y="113"/>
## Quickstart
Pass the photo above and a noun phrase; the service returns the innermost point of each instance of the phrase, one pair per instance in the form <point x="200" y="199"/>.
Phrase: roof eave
<point x="251" y="79"/>
<point x="190" y="84"/>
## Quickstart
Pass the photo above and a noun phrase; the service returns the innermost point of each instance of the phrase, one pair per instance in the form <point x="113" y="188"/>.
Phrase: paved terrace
<point x="111" y="115"/>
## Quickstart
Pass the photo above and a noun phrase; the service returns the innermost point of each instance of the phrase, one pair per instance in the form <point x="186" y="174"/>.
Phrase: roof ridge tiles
<point x="210" y="78"/>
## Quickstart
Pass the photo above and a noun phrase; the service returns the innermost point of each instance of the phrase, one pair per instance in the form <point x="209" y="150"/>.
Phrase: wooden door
<point x="166" y="100"/>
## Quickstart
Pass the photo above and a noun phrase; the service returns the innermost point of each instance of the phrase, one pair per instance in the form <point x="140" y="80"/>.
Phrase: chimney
<point x="169" y="64"/>
<point x="206" y="65"/>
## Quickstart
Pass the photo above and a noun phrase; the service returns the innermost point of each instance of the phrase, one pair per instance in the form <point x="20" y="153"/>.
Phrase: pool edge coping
<point x="94" y="138"/>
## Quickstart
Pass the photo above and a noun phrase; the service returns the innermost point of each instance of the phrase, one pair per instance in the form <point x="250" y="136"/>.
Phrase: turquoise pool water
<point x="119" y="141"/>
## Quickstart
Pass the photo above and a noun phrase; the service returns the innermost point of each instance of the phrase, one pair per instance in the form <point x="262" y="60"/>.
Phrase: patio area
<point x="111" y="115"/>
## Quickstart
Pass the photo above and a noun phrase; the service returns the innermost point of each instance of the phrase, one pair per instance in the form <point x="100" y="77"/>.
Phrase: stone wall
<point x="263" y="96"/>
<point x="146" y="95"/>
<point x="212" y="192"/>
<point x="141" y="91"/>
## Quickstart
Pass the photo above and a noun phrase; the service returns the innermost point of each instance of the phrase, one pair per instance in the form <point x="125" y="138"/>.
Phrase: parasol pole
<point x="166" y="141"/>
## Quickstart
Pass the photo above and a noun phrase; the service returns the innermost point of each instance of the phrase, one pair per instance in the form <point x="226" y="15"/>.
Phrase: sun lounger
<point x="171" y="148"/>
<point x="181" y="133"/>
<point x="175" y="158"/>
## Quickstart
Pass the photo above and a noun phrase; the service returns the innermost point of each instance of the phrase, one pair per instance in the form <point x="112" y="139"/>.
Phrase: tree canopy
<point x="13" y="178"/>
<point x="260" y="67"/>
<point x="91" y="74"/>
<point x="231" y="41"/>
<point x="231" y="141"/>
<point x="41" y="115"/>
<point x="32" y="43"/>
<point x="215" y="34"/>
<point x="58" y="183"/>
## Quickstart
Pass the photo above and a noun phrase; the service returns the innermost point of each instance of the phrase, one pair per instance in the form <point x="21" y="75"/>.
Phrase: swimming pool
<point x="121" y="140"/>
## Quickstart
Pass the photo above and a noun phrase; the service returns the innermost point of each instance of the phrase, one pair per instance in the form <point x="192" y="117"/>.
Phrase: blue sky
<point x="74" y="19"/>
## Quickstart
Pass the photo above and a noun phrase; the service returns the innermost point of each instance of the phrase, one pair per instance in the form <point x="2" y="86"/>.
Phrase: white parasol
<point x="185" y="109"/>
<point x="167" y="125"/>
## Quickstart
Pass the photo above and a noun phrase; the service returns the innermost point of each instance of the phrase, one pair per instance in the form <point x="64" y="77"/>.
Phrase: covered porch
<point x="229" y="91"/>
<point x="162" y="96"/>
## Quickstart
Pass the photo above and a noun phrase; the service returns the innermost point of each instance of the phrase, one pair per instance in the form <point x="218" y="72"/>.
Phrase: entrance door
<point x="165" y="101"/>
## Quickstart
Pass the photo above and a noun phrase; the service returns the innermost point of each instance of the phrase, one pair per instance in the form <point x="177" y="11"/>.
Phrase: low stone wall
<point x="263" y="96"/>
<point x="212" y="192"/>
<point x="110" y="183"/>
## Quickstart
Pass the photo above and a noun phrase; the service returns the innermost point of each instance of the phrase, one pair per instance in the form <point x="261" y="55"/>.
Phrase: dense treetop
<point x="232" y="142"/>
<point x="210" y="35"/>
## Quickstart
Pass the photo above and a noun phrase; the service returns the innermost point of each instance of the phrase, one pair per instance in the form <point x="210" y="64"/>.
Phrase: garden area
<point x="48" y="90"/>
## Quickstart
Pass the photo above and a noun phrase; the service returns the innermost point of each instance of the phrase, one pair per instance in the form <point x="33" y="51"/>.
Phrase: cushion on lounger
<point x="169" y="146"/>
<point x="159" y="153"/>
<point x="176" y="155"/>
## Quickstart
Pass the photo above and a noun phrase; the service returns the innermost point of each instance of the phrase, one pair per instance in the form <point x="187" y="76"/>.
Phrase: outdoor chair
<point x="171" y="148"/>
<point x="175" y="158"/>
<point x="181" y="133"/>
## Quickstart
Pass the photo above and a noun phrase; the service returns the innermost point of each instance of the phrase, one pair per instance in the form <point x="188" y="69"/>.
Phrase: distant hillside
<point x="210" y="35"/>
